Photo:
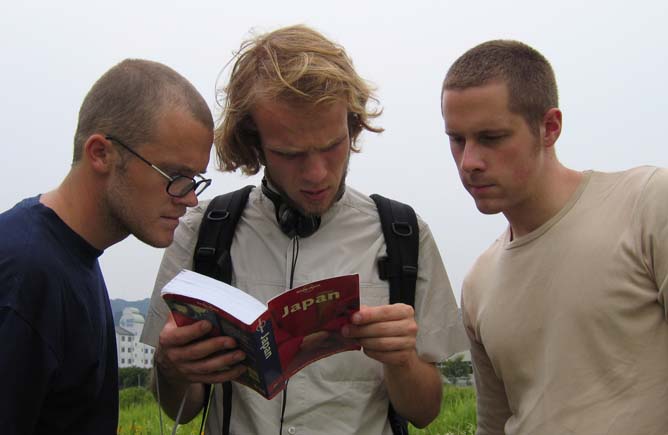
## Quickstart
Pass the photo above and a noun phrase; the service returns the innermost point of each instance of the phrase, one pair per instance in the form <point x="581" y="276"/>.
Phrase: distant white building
<point x="132" y="353"/>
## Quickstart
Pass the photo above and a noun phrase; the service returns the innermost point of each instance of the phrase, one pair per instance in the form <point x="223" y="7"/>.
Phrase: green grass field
<point x="457" y="415"/>
<point x="139" y="415"/>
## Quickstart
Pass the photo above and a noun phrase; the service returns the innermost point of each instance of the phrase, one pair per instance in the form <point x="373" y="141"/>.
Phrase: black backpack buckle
<point x="387" y="270"/>
<point x="409" y="271"/>
<point x="402" y="229"/>
<point x="218" y="215"/>
<point x="384" y="268"/>
<point x="205" y="252"/>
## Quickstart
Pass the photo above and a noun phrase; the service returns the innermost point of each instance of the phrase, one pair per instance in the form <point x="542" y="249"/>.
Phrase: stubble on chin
<point x="293" y="204"/>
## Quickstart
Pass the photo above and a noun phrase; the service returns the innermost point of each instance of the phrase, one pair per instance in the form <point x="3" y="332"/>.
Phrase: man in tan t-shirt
<point x="566" y="311"/>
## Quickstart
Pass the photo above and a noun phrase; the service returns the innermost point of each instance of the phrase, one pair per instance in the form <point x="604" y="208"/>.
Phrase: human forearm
<point x="388" y="334"/>
<point x="415" y="390"/>
<point x="186" y="360"/>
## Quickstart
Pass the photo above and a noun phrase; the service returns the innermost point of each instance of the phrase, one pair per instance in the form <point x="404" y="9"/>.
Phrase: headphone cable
<point x="295" y="255"/>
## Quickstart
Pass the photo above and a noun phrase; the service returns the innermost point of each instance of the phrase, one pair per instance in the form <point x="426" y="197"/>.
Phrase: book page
<point x="230" y="299"/>
<point x="307" y="320"/>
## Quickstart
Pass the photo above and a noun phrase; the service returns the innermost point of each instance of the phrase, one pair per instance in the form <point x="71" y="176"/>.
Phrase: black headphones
<point x="292" y="222"/>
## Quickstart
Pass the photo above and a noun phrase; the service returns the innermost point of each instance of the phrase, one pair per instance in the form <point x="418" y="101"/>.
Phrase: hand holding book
<point x="297" y="327"/>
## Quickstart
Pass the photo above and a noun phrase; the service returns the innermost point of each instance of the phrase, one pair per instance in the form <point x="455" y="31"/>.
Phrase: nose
<point x="471" y="158"/>
<point x="190" y="200"/>
<point x="314" y="169"/>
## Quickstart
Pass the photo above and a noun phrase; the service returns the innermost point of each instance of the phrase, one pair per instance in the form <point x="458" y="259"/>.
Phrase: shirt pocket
<point x="349" y="366"/>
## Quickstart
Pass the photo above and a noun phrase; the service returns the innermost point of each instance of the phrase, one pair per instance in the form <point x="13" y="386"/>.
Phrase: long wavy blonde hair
<point x="293" y="64"/>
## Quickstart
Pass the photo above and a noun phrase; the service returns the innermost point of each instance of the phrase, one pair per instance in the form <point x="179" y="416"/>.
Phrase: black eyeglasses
<point x="179" y="185"/>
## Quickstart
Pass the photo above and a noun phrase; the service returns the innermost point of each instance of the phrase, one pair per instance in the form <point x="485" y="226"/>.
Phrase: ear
<point x="97" y="151"/>
<point x="551" y="126"/>
<point x="260" y="154"/>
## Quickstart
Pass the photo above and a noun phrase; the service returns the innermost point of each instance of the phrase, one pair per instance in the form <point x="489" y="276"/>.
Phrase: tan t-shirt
<point x="344" y="393"/>
<point x="568" y="323"/>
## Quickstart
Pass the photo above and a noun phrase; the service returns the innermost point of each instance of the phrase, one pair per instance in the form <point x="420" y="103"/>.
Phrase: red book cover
<point x="297" y="327"/>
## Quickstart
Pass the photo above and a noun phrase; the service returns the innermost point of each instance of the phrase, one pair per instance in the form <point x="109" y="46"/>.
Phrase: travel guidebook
<point x="294" y="329"/>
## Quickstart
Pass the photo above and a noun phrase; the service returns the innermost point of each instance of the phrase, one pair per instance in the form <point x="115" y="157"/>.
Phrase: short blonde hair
<point x="294" y="64"/>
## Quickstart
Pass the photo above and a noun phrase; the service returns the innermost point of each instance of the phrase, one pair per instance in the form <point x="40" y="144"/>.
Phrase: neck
<point x="77" y="202"/>
<point x="558" y="185"/>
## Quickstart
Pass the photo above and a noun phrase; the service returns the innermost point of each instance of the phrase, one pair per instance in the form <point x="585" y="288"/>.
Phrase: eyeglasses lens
<point x="180" y="186"/>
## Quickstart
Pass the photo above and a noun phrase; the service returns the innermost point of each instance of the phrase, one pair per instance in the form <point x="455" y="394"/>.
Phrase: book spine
<point x="267" y="358"/>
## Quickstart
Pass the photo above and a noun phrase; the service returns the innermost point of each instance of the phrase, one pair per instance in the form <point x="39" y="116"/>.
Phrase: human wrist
<point x="167" y="373"/>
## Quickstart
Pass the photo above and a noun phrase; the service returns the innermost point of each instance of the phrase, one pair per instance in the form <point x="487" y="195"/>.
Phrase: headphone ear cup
<point x="288" y="220"/>
<point x="307" y="225"/>
<point x="293" y="223"/>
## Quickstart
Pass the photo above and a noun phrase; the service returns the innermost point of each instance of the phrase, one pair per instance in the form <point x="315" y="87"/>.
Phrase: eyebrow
<point x="484" y="131"/>
<point x="331" y="143"/>
<point x="337" y="140"/>
<point x="179" y="169"/>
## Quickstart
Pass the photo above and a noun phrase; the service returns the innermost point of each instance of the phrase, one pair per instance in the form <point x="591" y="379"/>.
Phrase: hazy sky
<point x="610" y="59"/>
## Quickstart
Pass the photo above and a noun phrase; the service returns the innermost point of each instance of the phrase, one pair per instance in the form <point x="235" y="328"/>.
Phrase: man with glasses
<point x="59" y="366"/>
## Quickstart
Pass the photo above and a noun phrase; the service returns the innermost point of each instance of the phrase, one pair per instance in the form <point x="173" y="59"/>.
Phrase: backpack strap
<point x="212" y="258"/>
<point x="212" y="252"/>
<point x="402" y="239"/>
<point x="399" y="266"/>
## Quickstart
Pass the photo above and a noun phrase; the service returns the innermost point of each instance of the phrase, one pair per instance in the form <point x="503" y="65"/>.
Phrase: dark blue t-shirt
<point x="58" y="366"/>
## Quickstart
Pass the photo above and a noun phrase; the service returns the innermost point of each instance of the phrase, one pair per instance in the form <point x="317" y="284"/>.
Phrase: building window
<point x="122" y="349"/>
<point x="122" y="360"/>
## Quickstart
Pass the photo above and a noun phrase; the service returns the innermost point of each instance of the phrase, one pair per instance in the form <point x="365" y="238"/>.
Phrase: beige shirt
<point x="568" y="323"/>
<point x="344" y="393"/>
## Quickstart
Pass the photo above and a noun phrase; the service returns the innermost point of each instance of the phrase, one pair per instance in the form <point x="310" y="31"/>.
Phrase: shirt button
<point x="292" y="430"/>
